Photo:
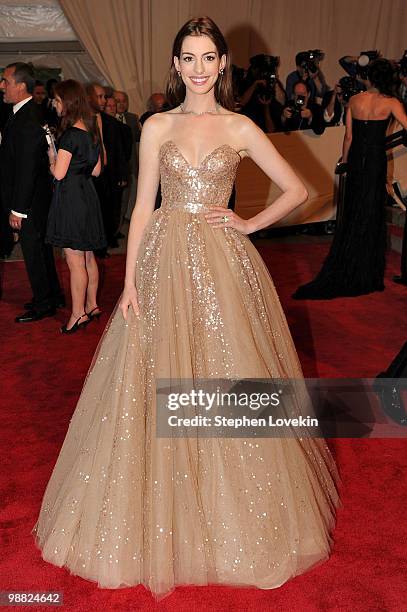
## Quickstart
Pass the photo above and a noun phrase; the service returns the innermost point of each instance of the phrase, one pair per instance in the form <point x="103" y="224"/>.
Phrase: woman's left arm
<point x="347" y="139"/>
<point x="399" y="113"/>
<point x="260" y="149"/>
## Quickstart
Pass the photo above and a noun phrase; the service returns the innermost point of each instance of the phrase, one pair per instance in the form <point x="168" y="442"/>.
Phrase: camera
<point x="309" y="60"/>
<point x="363" y="62"/>
<point x="350" y="87"/>
<point x="296" y="105"/>
<point x="265" y="67"/>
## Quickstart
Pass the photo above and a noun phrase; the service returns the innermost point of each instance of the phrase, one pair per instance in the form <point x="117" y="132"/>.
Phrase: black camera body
<point x="296" y="105"/>
<point x="310" y="59"/>
<point x="266" y="67"/>
<point x="362" y="65"/>
<point x="350" y="87"/>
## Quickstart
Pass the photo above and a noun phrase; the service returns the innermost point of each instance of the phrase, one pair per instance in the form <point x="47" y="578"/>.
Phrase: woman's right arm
<point x="148" y="181"/>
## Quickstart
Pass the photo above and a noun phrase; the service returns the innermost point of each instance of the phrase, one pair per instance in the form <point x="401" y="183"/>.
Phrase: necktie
<point x="121" y="117"/>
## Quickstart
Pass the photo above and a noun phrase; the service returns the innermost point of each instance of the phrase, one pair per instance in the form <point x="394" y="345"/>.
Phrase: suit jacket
<point x="5" y="113"/>
<point x="25" y="180"/>
<point x="317" y="124"/>
<point x="132" y="121"/>
<point x="50" y="114"/>
<point x="117" y="141"/>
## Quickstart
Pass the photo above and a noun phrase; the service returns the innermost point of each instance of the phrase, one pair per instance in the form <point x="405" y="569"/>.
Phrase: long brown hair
<point x="201" y="26"/>
<point x="76" y="106"/>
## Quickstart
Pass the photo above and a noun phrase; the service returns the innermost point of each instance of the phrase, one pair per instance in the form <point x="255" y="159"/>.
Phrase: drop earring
<point x="221" y="72"/>
<point x="179" y="73"/>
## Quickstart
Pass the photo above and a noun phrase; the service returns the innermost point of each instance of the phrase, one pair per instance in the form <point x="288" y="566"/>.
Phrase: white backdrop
<point x="30" y="21"/>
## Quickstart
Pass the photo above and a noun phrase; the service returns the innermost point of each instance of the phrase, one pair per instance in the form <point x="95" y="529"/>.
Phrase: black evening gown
<point x="75" y="219"/>
<point x="356" y="261"/>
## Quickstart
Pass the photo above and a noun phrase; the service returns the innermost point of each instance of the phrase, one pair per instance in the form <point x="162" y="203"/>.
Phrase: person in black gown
<point x="355" y="264"/>
<point x="75" y="219"/>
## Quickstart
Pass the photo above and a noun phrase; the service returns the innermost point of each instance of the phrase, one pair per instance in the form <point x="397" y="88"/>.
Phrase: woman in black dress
<point x="75" y="220"/>
<point x="356" y="261"/>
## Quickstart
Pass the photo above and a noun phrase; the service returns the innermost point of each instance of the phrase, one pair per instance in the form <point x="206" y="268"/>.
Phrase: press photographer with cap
<point x="309" y="71"/>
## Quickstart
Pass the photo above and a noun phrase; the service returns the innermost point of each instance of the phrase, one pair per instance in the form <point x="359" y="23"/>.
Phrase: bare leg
<point x="93" y="276"/>
<point x="79" y="282"/>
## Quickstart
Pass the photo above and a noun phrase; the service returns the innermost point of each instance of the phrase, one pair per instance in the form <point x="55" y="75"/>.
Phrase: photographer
<point x="402" y="92"/>
<point x="335" y="102"/>
<point x="308" y="70"/>
<point x="357" y="66"/>
<point x="263" y="96"/>
<point x="300" y="113"/>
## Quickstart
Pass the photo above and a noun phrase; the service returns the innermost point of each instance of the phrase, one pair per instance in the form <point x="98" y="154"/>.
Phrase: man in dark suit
<point x="116" y="153"/>
<point x="26" y="188"/>
<point x="127" y="141"/>
<point x="6" y="233"/>
<point x="132" y="120"/>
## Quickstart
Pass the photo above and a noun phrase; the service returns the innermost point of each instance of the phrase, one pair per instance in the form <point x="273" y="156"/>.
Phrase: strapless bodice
<point x="191" y="188"/>
<point x="371" y="132"/>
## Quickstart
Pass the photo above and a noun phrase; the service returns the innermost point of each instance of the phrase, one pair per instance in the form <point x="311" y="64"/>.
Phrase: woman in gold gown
<point x="124" y="507"/>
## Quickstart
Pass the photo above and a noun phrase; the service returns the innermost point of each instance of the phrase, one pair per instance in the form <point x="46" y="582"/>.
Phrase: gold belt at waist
<point x="191" y="207"/>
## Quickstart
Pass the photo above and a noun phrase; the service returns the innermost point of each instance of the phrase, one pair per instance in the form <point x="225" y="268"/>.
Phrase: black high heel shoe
<point x="76" y="325"/>
<point x="97" y="315"/>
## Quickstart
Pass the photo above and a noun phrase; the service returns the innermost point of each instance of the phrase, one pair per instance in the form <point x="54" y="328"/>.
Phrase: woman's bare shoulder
<point x="357" y="99"/>
<point x="156" y="125"/>
<point x="239" y="122"/>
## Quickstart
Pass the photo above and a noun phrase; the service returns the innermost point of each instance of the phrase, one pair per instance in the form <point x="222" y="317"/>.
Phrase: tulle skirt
<point x="124" y="507"/>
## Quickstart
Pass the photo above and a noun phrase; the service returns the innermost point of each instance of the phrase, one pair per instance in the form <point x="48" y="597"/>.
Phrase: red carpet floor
<point x="41" y="377"/>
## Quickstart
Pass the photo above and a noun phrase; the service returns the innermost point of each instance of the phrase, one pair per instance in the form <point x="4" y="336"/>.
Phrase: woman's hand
<point x="217" y="215"/>
<point x="129" y="298"/>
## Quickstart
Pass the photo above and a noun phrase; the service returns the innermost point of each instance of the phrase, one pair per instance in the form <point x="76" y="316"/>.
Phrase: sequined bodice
<point x="194" y="188"/>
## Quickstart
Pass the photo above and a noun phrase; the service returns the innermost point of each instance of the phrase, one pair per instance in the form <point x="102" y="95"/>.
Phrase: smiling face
<point x="199" y="63"/>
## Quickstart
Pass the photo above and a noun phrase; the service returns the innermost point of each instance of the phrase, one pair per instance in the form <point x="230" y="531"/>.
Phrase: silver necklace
<point x="191" y="112"/>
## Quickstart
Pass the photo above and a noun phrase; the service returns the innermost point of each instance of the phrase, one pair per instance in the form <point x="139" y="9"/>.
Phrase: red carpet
<point x="41" y="377"/>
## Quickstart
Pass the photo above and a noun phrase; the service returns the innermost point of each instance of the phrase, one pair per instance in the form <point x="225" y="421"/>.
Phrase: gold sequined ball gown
<point x="124" y="507"/>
